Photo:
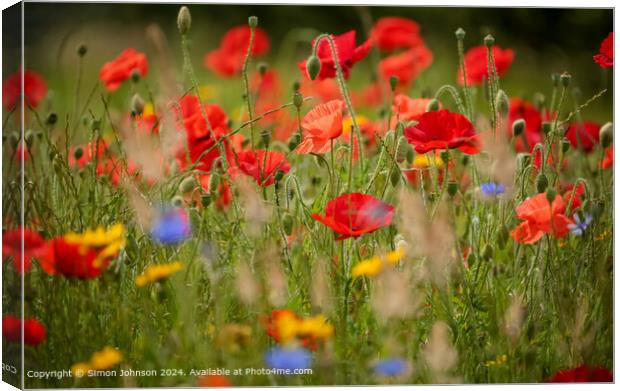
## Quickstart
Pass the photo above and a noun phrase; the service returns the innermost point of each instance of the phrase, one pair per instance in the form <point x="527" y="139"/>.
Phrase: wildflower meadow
<point x="349" y="207"/>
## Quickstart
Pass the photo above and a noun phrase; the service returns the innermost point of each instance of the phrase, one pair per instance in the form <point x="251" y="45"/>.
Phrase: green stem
<point x="246" y="85"/>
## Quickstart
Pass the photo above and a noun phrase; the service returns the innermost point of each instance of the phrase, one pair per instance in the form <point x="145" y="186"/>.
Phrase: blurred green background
<point x="545" y="40"/>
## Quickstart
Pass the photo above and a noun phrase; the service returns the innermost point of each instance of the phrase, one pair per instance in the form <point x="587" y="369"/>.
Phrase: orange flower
<point x="321" y="125"/>
<point x="409" y="109"/>
<point x="114" y="73"/>
<point x="407" y="65"/>
<point x="541" y="218"/>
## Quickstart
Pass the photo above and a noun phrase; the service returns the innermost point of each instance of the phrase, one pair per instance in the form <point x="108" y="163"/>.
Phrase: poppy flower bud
<point x="518" y="127"/>
<point x="401" y="149"/>
<point x="541" y="183"/>
<point x="214" y="183"/>
<point x="555" y="77"/>
<point x="287" y="223"/>
<point x="453" y="187"/>
<point x="393" y="82"/>
<point x="546" y="127"/>
<point x="459" y="34"/>
<point x="177" y="201"/>
<point x="294" y="141"/>
<point x="433" y="105"/>
<point x="279" y="175"/>
<point x="550" y="194"/>
<point x="205" y="200"/>
<point x="137" y="104"/>
<point x="262" y="68"/>
<point x="184" y="20"/>
<point x="501" y="102"/>
<point x="445" y="156"/>
<point x="78" y="153"/>
<point x="135" y="75"/>
<point x="52" y="118"/>
<point x="188" y="184"/>
<point x="265" y="138"/>
<point x="298" y="99"/>
<point x="410" y="155"/>
<point x="565" y="79"/>
<point x="565" y="145"/>
<point x="296" y="85"/>
<point x="465" y="160"/>
<point x="82" y="49"/>
<point x="313" y="66"/>
<point x="28" y="137"/>
<point x="489" y="40"/>
<point x="606" y="134"/>
<point x="253" y="21"/>
<point x="487" y="251"/>
<point x="395" y="176"/>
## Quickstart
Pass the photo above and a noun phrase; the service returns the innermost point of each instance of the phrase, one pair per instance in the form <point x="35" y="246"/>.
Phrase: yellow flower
<point x="287" y="326"/>
<point x="80" y="369"/>
<point x="373" y="266"/>
<point x="108" y="242"/>
<point x="347" y="122"/>
<point x="106" y="358"/>
<point x="148" y="110"/>
<point x="155" y="273"/>
<point x="499" y="360"/>
<point x="425" y="161"/>
<point x="316" y="327"/>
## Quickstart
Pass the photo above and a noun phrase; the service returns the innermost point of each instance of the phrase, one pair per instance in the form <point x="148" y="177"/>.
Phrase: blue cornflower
<point x="491" y="189"/>
<point x="280" y="358"/>
<point x="580" y="226"/>
<point x="391" y="367"/>
<point x="171" y="226"/>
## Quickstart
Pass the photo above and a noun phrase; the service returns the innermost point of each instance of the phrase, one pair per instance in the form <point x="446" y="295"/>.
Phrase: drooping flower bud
<point x="502" y="103"/>
<point x="184" y="20"/>
<point x="459" y="34"/>
<point x="606" y="134"/>
<point x="518" y="127"/>
<point x="188" y="184"/>
<point x="541" y="183"/>
<point x="433" y="105"/>
<point x="489" y="40"/>
<point x="313" y="66"/>
<point x="298" y="99"/>
<point x="253" y="21"/>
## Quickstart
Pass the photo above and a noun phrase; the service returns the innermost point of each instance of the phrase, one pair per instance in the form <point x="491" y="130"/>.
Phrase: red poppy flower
<point x="355" y="214"/>
<point x="34" y="246"/>
<point x="541" y="218"/>
<point x="114" y="73"/>
<point x="605" y="58"/>
<point x="443" y="130"/>
<point x="321" y="125"/>
<point x="579" y="192"/>
<point x="583" y="374"/>
<point x="262" y="165"/>
<point x="34" y="331"/>
<point x="608" y="160"/>
<point x="348" y="54"/>
<point x="112" y="168"/>
<point x="73" y="260"/>
<point x="407" y="65"/>
<point x="392" y="33"/>
<point x="227" y="60"/>
<point x="325" y="90"/>
<point x="588" y="135"/>
<point x="89" y="151"/>
<point x="408" y="109"/>
<point x="35" y="89"/>
<point x="224" y="197"/>
<point x="522" y="109"/>
<point x="372" y="95"/>
<point x="476" y="63"/>
<point x="199" y="138"/>
<point x="217" y="381"/>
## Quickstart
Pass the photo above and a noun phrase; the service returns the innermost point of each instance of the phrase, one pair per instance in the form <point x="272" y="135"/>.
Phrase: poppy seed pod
<point x="518" y="127"/>
<point x="606" y="134"/>
<point x="313" y="66"/>
<point x="393" y="82"/>
<point x="395" y="176"/>
<point x="541" y="183"/>
<point x="489" y="40"/>
<point x="52" y="118"/>
<point x="501" y="102"/>
<point x="546" y="127"/>
<point x="82" y="49"/>
<point x="137" y="104"/>
<point x="188" y="184"/>
<point x="253" y="21"/>
<point x="453" y="187"/>
<point x="565" y="79"/>
<point x="78" y="153"/>
<point x="184" y="20"/>
<point x="433" y="105"/>
<point x="550" y="195"/>
<point x="262" y="68"/>
<point x="298" y="99"/>
<point x="459" y="34"/>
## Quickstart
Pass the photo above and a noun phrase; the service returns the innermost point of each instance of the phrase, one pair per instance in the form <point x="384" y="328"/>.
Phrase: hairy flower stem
<point x="493" y="88"/>
<point x="187" y="66"/>
<point x="468" y="100"/>
<point x="343" y="89"/>
<point x="246" y="85"/>
<point x="552" y="133"/>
